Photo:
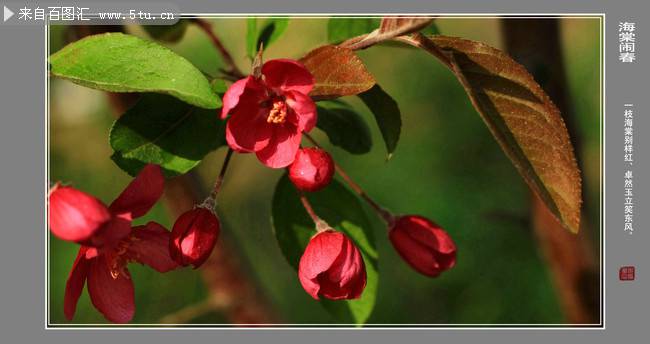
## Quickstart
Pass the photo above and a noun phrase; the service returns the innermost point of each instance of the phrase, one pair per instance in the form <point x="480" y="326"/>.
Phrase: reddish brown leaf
<point x="337" y="72"/>
<point x="522" y="118"/>
<point x="396" y="26"/>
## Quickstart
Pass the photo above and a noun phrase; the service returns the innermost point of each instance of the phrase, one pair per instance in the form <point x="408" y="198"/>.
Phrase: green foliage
<point x="116" y="62"/>
<point x="293" y="229"/>
<point x="344" y="127"/>
<point x="165" y="131"/>
<point x="272" y="29"/>
<point x="340" y="29"/>
<point x="387" y="115"/>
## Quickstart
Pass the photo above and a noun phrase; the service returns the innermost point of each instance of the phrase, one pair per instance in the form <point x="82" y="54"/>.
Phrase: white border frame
<point x="596" y="326"/>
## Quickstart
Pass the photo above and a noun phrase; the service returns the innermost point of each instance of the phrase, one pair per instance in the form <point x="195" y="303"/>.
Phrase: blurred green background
<point x="447" y="167"/>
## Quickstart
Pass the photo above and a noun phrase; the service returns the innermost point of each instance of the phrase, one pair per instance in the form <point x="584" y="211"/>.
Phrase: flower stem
<point x="383" y="213"/>
<point x="321" y="225"/>
<point x="222" y="173"/>
<point x="207" y="28"/>
<point x="211" y="201"/>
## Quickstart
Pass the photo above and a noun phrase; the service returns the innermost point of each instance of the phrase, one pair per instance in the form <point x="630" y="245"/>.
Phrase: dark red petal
<point x="75" y="215"/>
<point x="112" y="296"/>
<point x="281" y="149"/>
<point x="321" y="252"/>
<point x="75" y="284"/>
<point x="149" y="245"/>
<point x="194" y="236"/>
<point x="304" y="108"/>
<point x="141" y="194"/>
<point x="247" y="129"/>
<point x="419" y="256"/>
<point x="111" y="232"/>
<point x="427" y="233"/>
<point x="287" y="75"/>
<point x="236" y="90"/>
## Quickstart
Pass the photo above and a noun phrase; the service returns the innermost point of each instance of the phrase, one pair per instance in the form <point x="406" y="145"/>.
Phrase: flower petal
<point x="149" y="245"/>
<point x="236" y="90"/>
<point x="141" y="194"/>
<point x="282" y="148"/>
<point x="304" y="108"/>
<point x="75" y="284"/>
<point x="288" y="75"/>
<point x="321" y="252"/>
<point x="111" y="232"/>
<point x="75" y="215"/>
<point x="112" y="296"/>
<point x="247" y="129"/>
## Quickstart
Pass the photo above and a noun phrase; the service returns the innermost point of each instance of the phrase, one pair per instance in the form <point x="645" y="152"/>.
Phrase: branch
<point x="233" y="70"/>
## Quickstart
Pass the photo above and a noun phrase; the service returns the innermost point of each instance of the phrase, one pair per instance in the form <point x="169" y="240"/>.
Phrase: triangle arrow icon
<point x="8" y="13"/>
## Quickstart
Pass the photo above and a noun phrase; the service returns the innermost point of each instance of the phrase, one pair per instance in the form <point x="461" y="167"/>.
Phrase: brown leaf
<point x="396" y="26"/>
<point x="523" y="119"/>
<point x="337" y="72"/>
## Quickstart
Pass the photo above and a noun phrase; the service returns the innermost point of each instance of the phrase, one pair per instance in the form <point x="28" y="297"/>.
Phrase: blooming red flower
<point x="109" y="283"/>
<point x="423" y="244"/>
<point x="193" y="237"/>
<point x="270" y="113"/>
<point x="109" y="242"/>
<point x="332" y="266"/>
<point x="312" y="169"/>
<point x="79" y="217"/>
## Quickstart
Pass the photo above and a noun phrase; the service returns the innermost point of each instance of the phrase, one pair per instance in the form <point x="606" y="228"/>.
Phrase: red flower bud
<point x="75" y="215"/>
<point x="193" y="237"/>
<point x="332" y="266"/>
<point x="312" y="169"/>
<point x="423" y="244"/>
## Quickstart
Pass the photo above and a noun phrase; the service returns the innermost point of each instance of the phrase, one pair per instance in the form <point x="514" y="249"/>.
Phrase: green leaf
<point x="163" y="130"/>
<point x="522" y="118"/>
<point x="270" y="32"/>
<point x="344" y="127"/>
<point x="342" y="210"/>
<point x="387" y="115"/>
<point x="340" y="29"/>
<point x="116" y="62"/>
<point x="168" y="33"/>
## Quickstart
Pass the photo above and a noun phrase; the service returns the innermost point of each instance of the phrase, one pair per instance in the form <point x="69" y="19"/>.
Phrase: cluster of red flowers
<point x="268" y="116"/>
<point x="109" y="241"/>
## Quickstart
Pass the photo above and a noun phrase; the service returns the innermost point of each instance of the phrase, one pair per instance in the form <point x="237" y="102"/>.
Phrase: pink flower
<point x="269" y="114"/>
<point x="332" y="266"/>
<point x="423" y="244"/>
<point x="109" y="242"/>
<point x="193" y="237"/>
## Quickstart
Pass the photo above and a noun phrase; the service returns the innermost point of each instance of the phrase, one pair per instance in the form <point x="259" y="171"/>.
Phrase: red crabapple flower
<point x="332" y="266"/>
<point x="76" y="216"/>
<point x="269" y="113"/>
<point x="423" y="244"/>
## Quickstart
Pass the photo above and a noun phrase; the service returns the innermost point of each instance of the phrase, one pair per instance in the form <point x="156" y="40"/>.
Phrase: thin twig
<point x="321" y="225"/>
<point x="383" y="213"/>
<point x="207" y="28"/>
<point x="222" y="173"/>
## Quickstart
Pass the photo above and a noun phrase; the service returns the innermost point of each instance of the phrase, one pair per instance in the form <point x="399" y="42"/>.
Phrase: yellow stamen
<point x="278" y="113"/>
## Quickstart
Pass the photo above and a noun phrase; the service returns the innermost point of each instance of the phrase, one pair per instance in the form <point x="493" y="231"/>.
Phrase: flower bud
<point x="193" y="237"/>
<point x="312" y="169"/>
<point x="75" y="215"/>
<point x="423" y="244"/>
<point x="332" y="266"/>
